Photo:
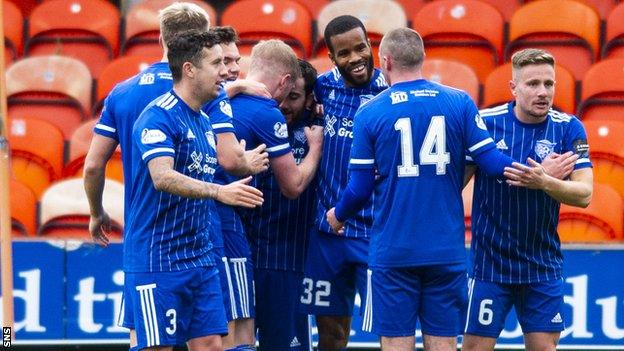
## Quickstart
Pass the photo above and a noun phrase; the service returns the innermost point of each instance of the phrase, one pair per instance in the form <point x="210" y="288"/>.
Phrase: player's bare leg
<point x="401" y="343"/>
<point x="541" y="341"/>
<point x="333" y="332"/>
<point x="240" y="332"/>
<point x="478" y="343"/>
<point x="205" y="343"/>
<point x="133" y="338"/>
<point x="439" y="343"/>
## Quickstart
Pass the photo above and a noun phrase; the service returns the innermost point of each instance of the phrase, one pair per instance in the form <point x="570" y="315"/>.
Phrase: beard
<point x="349" y="79"/>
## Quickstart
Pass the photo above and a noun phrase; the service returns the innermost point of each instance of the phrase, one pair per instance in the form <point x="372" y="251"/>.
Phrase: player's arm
<point x="293" y="179"/>
<point x="469" y="171"/>
<point x="232" y="156"/>
<point x="99" y="153"/>
<point x="245" y="86"/>
<point x="359" y="189"/>
<point x="167" y="179"/>
<point x="575" y="192"/>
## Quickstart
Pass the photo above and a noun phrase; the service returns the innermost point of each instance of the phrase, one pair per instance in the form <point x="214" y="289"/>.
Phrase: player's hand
<point x="337" y="226"/>
<point x="560" y="166"/>
<point x="99" y="227"/>
<point x="252" y="87"/>
<point x="257" y="159"/>
<point x="314" y="134"/>
<point x="238" y="193"/>
<point x="532" y="176"/>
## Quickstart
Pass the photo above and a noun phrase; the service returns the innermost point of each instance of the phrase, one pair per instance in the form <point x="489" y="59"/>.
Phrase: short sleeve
<point x="154" y="134"/>
<point x="577" y="143"/>
<point x="107" y="125"/>
<point x="271" y="129"/>
<point x="478" y="139"/>
<point x="220" y="113"/>
<point x="362" y="149"/>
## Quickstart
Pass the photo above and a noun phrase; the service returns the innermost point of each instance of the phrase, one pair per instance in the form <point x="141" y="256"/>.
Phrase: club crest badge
<point x="544" y="148"/>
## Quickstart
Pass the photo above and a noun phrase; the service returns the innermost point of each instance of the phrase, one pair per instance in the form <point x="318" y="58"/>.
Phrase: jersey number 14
<point x="432" y="151"/>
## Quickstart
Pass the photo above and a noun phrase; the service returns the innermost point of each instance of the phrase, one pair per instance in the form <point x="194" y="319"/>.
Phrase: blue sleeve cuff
<point x="358" y="191"/>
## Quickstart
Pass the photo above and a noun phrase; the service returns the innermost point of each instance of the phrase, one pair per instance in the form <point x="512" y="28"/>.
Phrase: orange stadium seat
<point x="496" y="89"/>
<point x="602" y="93"/>
<point x="314" y="7"/>
<point x="602" y="7"/>
<point x="13" y="24"/>
<point x="84" y="29"/>
<point x="255" y="20"/>
<point x="142" y="27"/>
<point x="572" y="36"/>
<point x="614" y="39"/>
<point x="64" y="210"/>
<point x="37" y="149"/>
<point x="454" y="74"/>
<point x="378" y="16"/>
<point x="606" y="147"/>
<point x="505" y="7"/>
<point x="410" y="7"/>
<point x="117" y="71"/>
<point x="468" y="31"/>
<point x="23" y="209"/>
<point x="79" y="146"/>
<point x="26" y="6"/>
<point x="467" y="194"/>
<point x="601" y="221"/>
<point x="52" y="88"/>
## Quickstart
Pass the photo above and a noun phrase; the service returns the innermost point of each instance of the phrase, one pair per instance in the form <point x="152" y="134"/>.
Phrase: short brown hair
<point x="531" y="57"/>
<point x="188" y="47"/>
<point x="180" y="17"/>
<point x="226" y="34"/>
<point x="405" y="46"/>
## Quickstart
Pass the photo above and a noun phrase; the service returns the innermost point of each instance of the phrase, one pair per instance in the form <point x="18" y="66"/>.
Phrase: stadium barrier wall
<point x="71" y="293"/>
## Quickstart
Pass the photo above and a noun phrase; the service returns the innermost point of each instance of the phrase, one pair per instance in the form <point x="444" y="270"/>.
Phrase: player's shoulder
<point x="562" y="117"/>
<point x="496" y="111"/>
<point x="331" y="76"/>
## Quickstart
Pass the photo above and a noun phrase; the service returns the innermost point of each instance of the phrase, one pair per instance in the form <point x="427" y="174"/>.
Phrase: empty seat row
<point x="470" y="31"/>
<point x="63" y="211"/>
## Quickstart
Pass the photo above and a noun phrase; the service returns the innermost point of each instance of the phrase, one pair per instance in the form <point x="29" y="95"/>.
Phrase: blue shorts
<point x="436" y="295"/>
<point x="170" y="308"/>
<point x="538" y="306"/>
<point x="280" y="325"/>
<point x="237" y="286"/>
<point x="335" y="267"/>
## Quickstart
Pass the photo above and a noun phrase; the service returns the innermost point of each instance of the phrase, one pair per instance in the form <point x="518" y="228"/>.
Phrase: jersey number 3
<point x="432" y="151"/>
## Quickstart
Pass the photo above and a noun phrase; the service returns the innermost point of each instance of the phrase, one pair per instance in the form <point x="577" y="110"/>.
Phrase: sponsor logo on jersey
<point x="501" y="145"/>
<point x="147" y="79"/>
<point x="557" y="318"/>
<point x="190" y="135"/>
<point x="366" y="98"/>
<point x="398" y="97"/>
<point x="295" y="342"/>
<point x="329" y="125"/>
<point x="152" y="136"/>
<point x="479" y="122"/>
<point x="211" y="139"/>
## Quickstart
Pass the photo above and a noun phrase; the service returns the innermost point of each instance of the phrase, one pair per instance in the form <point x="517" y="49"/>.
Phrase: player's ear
<point x="512" y="86"/>
<point x="188" y="69"/>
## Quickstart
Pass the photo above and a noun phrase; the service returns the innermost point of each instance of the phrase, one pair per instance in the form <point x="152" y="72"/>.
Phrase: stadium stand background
<point x="64" y="56"/>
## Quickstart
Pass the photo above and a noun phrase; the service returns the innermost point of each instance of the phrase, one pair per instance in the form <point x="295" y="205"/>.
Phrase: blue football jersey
<point x="166" y="232"/>
<point x="258" y="121"/>
<point x="278" y="230"/>
<point x="514" y="229"/>
<point x="219" y="111"/>
<point x="340" y="103"/>
<point x="415" y="134"/>
<point x="123" y="106"/>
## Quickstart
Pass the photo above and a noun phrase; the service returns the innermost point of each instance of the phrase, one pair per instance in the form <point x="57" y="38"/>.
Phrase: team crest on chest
<point x="300" y="136"/>
<point x="365" y="98"/>
<point x="211" y="139"/>
<point x="544" y="148"/>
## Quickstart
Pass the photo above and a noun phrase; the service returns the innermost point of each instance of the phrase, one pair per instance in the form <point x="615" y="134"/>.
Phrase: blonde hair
<point x="180" y="17"/>
<point x="274" y="57"/>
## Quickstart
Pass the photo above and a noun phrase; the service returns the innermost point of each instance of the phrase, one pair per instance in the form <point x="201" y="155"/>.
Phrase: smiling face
<point x="231" y="58"/>
<point x="352" y="55"/>
<point x="210" y="73"/>
<point x="533" y="87"/>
